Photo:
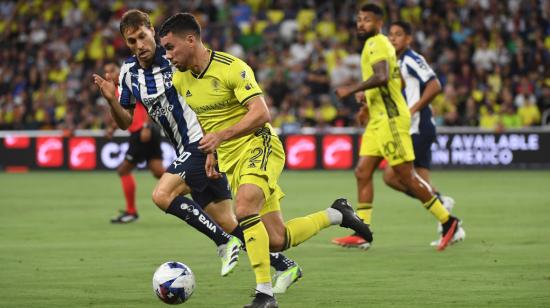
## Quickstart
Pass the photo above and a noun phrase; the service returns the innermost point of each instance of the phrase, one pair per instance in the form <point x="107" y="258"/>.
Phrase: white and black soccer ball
<point x="173" y="282"/>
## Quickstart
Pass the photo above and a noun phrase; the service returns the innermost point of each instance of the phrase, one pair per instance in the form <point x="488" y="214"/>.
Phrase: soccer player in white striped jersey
<point x="147" y="77"/>
<point x="422" y="86"/>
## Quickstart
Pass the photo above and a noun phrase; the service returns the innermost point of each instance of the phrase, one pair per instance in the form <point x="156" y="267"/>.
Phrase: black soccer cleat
<point x="262" y="300"/>
<point x="350" y="219"/>
<point x="449" y="229"/>
<point x="124" y="218"/>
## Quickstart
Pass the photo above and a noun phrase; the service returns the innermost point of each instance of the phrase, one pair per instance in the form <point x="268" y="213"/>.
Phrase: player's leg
<point x="400" y="154"/>
<point x="216" y="201"/>
<point x="168" y="195"/>
<point x="128" y="182"/>
<point x="248" y="202"/>
<point x="369" y="159"/>
<point x="156" y="167"/>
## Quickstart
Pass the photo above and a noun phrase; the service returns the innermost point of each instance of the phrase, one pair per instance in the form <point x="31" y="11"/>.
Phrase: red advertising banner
<point x="301" y="152"/>
<point x="49" y="152"/>
<point x="17" y="142"/>
<point x="82" y="153"/>
<point x="337" y="152"/>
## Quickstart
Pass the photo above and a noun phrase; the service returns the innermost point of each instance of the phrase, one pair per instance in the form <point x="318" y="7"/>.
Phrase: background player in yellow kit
<point x="387" y="133"/>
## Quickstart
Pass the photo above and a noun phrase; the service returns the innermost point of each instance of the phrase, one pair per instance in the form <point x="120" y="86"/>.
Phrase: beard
<point x="363" y="36"/>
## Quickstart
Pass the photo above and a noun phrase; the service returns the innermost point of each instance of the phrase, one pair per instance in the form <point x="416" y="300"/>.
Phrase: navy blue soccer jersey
<point x="153" y="87"/>
<point x="417" y="73"/>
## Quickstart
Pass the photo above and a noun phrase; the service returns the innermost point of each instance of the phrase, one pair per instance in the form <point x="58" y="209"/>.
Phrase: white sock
<point x="334" y="216"/>
<point x="265" y="288"/>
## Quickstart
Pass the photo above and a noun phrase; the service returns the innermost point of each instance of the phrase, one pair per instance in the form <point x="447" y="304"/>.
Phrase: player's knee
<point x="161" y="198"/>
<point x="362" y="174"/>
<point x="122" y="171"/>
<point x="242" y="211"/>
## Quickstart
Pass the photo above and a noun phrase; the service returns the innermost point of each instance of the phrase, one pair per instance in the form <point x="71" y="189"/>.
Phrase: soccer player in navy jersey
<point x="422" y="86"/>
<point x="147" y="77"/>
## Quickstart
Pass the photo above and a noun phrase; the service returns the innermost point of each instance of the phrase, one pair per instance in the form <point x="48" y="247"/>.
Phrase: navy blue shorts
<point x="190" y="167"/>
<point x="422" y="145"/>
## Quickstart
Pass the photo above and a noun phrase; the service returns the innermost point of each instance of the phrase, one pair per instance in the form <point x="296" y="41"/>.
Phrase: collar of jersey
<point x="199" y="76"/>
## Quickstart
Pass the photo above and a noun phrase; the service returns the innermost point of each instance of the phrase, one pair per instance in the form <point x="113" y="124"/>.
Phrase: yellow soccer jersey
<point x="219" y="96"/>
<point x="386" y="101"/>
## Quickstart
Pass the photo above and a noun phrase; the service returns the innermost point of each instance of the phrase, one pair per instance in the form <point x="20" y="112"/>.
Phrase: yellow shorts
<point x="261" y="164"/>
<point x="390" y="139"/>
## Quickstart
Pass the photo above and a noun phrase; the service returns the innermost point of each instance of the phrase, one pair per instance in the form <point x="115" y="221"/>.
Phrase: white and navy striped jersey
<point x="417" y="73"/>
<point x="153" y="87"/>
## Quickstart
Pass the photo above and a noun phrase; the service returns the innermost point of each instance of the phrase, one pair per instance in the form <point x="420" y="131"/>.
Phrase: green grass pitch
<point x="57" y="248"/>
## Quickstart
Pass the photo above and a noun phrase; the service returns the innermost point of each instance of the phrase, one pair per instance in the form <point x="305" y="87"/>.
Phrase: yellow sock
<point x="298" y="230"/>
<point x="364" y="211"/>
<point x="257" y="246"/>
<point x="436" y="208"/>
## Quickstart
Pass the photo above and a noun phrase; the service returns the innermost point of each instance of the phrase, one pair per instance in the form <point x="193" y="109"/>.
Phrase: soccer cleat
<point x="262" y="300"/>
<point x="124" y="218"/>
<point x="351" y="220"/>
<point x="352" y="241"/>
<point x="284" y="279"/>
<point x="459" y="236"/>
<point x="448" y="203"/>
<point x="229" y="252"/>
<point x="450" y="228"/>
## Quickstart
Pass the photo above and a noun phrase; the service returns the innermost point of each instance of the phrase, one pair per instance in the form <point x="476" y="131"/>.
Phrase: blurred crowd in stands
<point x="492" y="57"/>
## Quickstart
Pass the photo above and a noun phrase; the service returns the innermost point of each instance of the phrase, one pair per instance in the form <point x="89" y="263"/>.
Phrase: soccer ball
<point x="173" y="282"/>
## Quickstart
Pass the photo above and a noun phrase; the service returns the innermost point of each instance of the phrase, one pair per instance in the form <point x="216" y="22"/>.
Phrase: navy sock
<point x="278" y="261"/>
<point x="190" y="212"/>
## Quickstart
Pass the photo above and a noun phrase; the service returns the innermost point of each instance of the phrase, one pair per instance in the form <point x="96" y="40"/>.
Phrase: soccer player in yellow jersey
<point x="387" y="133"/>
<point x="229" y="104"/>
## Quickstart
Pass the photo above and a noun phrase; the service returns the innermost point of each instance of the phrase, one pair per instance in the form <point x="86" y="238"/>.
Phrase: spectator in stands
<point x="479" y="49"/>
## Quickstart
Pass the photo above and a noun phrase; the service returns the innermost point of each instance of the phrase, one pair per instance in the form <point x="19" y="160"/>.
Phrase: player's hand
<point x="360" y="97"/>
<point x="413" y="109"/>
<point x="210" y="167"/>
<point x="210" y="142"/>
<point x="145" y="134"/>
<point x="343" y="91"/>
<point x="107" y="88"/>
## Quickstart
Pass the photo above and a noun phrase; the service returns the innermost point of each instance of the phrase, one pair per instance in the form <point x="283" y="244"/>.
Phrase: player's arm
<point x="380" y="77"/>
<point x="431" y="90"/>
<point x="256" y="117"/>
<point x="122" y="117"/>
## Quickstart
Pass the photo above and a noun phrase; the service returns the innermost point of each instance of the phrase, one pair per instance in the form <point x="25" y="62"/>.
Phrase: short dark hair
<point x="179" y="24"/>
<point x="373" y="8"/>
<point x="111" y="61"/>
<point x="134" y="19"/>
<point x="403" y="25"/>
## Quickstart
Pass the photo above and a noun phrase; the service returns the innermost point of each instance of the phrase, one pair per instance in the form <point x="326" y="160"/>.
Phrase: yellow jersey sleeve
<point x="377" y="50"/>
<point x="240" y="79"/>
